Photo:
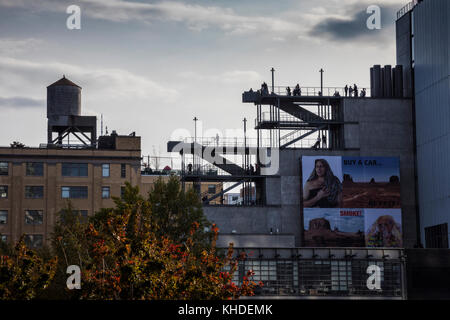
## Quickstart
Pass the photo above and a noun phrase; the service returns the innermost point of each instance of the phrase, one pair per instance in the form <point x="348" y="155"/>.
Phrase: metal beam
<point x="302" y="136"/>
<point x="223" y="191"/>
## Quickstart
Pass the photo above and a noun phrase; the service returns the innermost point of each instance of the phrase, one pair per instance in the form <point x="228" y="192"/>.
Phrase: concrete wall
<point x="432" y="86"/>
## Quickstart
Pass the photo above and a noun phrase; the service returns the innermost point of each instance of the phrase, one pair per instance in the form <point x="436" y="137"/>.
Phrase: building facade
<point x="37" y="183"/>
<point x="423" y="49"/>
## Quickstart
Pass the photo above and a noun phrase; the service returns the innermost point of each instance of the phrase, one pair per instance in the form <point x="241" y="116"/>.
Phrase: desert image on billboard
<point x="371" y="182"/>
<point x="334" y="227"/>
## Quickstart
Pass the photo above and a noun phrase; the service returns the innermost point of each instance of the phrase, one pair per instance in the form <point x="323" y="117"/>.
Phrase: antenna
<point x="101" y="125"/>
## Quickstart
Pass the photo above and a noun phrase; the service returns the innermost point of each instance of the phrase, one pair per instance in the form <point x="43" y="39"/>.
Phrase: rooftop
<point x="64" y="82"/>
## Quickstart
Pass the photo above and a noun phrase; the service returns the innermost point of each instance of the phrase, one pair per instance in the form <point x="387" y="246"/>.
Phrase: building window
<point x="34" y="240"/>
<point x="81" y="214"/>
<point x="212" y="189"/>
<point x="4" y="168"/>
<point x="3" y="217"/>
<point x="74" y="170"/>
<point x="34" y="217"/>
<point x="74" y="192"/>
<point x="123" y="170"/>
<point x="105" y="192"/>
<point x="34" y="192"/>
<point x="35" y="169"/>
<point x="437" y="236"/>
<point x="4" y="238"/>
<point x="3" y="192"/>
<point x="122" y="192"/>
<point x="105" y="170"/>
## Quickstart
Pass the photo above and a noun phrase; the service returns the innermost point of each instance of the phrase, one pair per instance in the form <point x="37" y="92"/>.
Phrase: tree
<point x="156" y="268"/>
<point x="23" y="274"/>
<point x="148" y="249"/>
<point x="174" y="211"/>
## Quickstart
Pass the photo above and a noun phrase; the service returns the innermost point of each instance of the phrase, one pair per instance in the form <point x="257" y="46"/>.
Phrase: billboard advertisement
<point x="351" y="201"/>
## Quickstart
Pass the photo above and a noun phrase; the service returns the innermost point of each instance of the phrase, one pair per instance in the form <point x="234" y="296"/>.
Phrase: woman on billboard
<point x="322" y="189"/>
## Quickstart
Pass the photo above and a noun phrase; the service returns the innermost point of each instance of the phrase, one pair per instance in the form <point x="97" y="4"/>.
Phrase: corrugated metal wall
<point x="431" y="29"/>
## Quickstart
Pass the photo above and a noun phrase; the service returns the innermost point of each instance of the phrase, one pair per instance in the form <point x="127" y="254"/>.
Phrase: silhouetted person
<point x="252" y="170"/>
<point x="350" y="91"/>
<point x="346" y="90"/>
<point x="324" y="141"/>
<point x="355" y="89"/>
<point x="320" y="93"/>
<point x="288" y="91"/>
<point x="264" y="88"/>
<point x="317" y="144"/>
<point x="363" y="92"/>
<point x="190" y="167"/>
<point x="297" y="90"/>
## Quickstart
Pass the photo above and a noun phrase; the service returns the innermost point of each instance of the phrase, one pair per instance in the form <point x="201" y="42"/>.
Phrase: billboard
<point x="351" y="201"/>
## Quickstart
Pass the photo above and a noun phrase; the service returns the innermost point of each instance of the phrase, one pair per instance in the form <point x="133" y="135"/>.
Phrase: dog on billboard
<point x="384" y="232"/>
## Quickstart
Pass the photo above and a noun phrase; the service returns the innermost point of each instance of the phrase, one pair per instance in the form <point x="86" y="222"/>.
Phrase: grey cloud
<point x="21" y="102"/>
<point x="355" y="26"/>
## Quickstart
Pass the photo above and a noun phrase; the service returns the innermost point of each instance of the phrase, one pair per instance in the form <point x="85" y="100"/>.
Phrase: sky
<point x="152" y="66"/>
<point x="381" y="172"/>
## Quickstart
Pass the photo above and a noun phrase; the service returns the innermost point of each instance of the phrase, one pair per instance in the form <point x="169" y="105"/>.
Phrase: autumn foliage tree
<point x="23" y="273"/>
<point x="155" y="248"/>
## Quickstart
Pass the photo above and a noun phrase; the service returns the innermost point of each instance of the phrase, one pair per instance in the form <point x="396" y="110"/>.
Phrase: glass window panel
<point x="4" y="168"/>
<point x="123" y="171"/>
<point x="3" y="216"/>
<point x="75" y="169"/>
<point x="34" y="217"/>
<point x="105" y="170"/>
<point x="34" y="240"/>
<point x="35" y="169"/>
<point x="3" y="192"/>
<point x="74" y="192"/>
<point x="105" y="192"/>
<point x="34" y="192"/>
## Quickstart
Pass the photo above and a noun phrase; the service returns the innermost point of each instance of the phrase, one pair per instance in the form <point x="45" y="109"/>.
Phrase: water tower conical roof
<point x="64" y="82"/>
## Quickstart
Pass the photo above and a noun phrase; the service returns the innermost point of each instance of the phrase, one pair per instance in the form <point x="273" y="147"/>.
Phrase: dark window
<point x="34" y="192"/>
<point x="105" y="170"/>
<point x="123" y="170"/>
<point x="437" y="236"/>
<point x="105" y="192"/>
<point x="82" y="214"/>
<point x="34" y="216"/>
<point x="4" y="168"/>
<point x="34" y="240"/>
<point x="211" y="189"/>
<point x="122" y="192"/>
<point x="35" y="169"/>
<point x="4" y="238"/>
<point x="3" y="192"/>
<point x="3" y="217"/>
<point x="74" y="192"/>
<point x="74" y="169"/>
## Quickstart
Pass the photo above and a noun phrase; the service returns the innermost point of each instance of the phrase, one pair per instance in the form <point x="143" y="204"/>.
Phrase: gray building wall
<point x="432" y="86"/>
<point x="383" y="127"/>
<point x="404" y="51"/>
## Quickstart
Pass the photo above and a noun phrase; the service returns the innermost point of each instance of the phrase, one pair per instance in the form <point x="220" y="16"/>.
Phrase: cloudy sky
<point x="151" y="66"/>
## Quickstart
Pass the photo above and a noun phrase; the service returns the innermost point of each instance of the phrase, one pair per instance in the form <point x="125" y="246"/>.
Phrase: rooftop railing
<point x="407" y="8"/>
<point x="317" y="92"/>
